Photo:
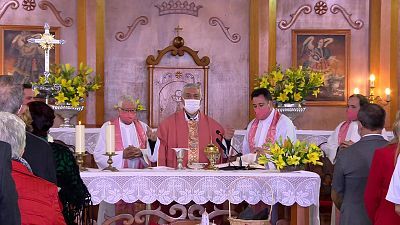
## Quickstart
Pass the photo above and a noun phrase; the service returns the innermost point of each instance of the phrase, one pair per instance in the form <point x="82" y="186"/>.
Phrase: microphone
<point x="219" y="142"/>
<point x="238" y="154"/>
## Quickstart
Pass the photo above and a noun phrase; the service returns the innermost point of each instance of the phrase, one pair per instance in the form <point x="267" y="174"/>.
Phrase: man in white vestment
<point x="268" y="126"/>
<point x="136" y="146"/>
<point x="132" y="139"/>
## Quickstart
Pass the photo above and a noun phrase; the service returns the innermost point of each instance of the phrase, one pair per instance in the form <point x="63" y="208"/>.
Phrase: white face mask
<point x="192" y="105"/>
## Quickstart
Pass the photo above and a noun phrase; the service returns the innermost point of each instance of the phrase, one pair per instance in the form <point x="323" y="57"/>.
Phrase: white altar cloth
<point x="201" y="186"/>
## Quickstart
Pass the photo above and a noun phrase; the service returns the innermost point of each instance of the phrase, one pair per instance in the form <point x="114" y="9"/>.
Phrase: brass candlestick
<point x="110" y="162"/>
<point x="213" y="155"/>
<point x="79" y="159"/>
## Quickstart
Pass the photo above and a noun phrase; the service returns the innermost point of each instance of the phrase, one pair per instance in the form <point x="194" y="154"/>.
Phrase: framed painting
<point x="327" y="51"/>
<point x="20" y="58"/>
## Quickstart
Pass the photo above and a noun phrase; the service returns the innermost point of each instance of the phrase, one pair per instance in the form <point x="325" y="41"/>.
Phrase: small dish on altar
<point x="197" y="166"/>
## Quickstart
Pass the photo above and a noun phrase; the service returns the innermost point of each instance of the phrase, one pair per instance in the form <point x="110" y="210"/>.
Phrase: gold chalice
<point x="213" y="155"/>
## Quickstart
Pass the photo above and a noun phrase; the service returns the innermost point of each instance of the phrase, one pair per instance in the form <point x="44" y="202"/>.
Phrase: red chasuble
<point x="173" y="132"/>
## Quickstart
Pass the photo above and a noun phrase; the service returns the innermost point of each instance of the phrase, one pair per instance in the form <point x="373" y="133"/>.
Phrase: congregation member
<point x="38" y="152"/>
<point x="188" y="128"/>
<point x="268" y="125"/>
<point x="9" y="211"/>
<point x="393" y="194"/>
<point x="37" y="198"/>
<point x="73" y="193"/>
<point x="381" y="211"/>
<point x="131" y="135"/>
<point x="353" y="164"/>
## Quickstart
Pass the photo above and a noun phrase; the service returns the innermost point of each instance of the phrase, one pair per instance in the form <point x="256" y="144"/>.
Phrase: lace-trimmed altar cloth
<point x="200" y="186"/>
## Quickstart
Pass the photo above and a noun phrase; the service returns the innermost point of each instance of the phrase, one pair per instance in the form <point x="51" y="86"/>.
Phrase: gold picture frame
<point x="327" y="51"/>
<point x="23" y="58"/>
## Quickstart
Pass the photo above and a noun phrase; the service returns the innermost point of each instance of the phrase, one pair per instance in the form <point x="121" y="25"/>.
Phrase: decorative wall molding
<point x="234" y="38"/>
<point x="67" y="22"/>
<point x="29" y="5"/>
<point x="121" y="36"/>
<point x="357" y="24"/>
<point x="178" y="7"/>
<point x="321" y="8"/>
<point x="284" y="25"/>
<point x="14" y="5"/>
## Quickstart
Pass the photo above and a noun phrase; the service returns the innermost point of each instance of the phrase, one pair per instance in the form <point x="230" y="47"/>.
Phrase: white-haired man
<point x="131" y="135"/>
<point x="188" y="128"/>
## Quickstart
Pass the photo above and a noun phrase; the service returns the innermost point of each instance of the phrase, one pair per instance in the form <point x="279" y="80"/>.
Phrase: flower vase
<point x="291" y="110"/>
<point x="66" y="111"/>
<point x="292" y="168"/>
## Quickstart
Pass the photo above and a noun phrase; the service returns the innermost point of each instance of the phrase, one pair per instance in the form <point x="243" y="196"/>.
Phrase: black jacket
<point x="39" y="154"/>
<point x="9" y="211"/>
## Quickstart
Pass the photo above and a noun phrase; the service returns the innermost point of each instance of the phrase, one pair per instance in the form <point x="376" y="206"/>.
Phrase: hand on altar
<point x="229" y="132"/>
<point x="152" y="135"/>
<point x="132" y="152"/>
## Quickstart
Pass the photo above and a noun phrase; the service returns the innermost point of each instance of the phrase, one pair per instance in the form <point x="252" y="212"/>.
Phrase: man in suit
<point x="353" y="164"/>
<point x="9" y="213"/>
<point x="38" y="152"/>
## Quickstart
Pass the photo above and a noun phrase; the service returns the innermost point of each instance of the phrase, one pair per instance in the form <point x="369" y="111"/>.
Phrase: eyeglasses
<point x="128" y="110"/>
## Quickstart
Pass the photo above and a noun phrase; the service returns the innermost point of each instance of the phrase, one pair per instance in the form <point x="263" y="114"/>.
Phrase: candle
<point x="372" y="80"/>
<point x="229" y="209"/>
<point x="80" y="138"/>
<point x="110" y="138"/>
<point x="387" y="92"/>
<point x="356" y="91"/>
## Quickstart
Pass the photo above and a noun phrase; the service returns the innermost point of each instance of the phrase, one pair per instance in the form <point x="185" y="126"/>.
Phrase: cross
<point x="47" y="42"/>
<point x="177" y="29"/>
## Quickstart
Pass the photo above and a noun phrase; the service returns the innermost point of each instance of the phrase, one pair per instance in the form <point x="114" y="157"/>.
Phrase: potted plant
<point x="74" y="86"/>
<point x="289" y="156"/>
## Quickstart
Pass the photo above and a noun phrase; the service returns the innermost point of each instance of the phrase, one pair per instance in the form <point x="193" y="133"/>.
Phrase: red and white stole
<point x="271" y="131"/>
<point x="118" y="139"/>
<point x="343" y="131"/>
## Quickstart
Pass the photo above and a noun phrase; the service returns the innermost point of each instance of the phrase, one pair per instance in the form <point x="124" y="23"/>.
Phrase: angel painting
<point x="326" y="53"/>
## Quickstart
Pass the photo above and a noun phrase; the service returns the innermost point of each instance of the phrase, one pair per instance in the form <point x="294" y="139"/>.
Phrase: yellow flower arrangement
<point x="286" y="153"/>
<point x="291" y="85"/>
<point x="75" y="85"/>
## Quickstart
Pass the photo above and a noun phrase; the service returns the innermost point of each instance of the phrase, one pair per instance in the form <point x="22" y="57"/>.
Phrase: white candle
<point x="387" y="92"/>
<point x="80" y="138"/>
<point x="110" y="138"/>
<point x="372" y="80"/>
<point x="229" y="205"/>
<point x="356" y="91"/>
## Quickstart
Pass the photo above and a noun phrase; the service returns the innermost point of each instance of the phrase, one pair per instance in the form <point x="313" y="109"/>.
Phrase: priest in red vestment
<point x="188" y="128"/>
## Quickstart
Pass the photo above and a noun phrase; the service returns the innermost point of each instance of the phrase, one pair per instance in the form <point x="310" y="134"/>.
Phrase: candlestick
<point x="387" y="92"/>
<point x="80" y="138"/>
<point x="110" y="138"/>
<point x="79" y="160"/>
<point x="356" y="91"/>
<point x="372" y="80"/>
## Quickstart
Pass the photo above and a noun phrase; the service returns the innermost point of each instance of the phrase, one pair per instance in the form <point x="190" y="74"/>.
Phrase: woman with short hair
<point x="37" y="198"/>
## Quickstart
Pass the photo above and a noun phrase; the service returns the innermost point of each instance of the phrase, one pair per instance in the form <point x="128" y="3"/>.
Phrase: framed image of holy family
<point x="327" y="51"/>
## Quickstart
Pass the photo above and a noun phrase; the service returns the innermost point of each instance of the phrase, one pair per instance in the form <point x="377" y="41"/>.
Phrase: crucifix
<point x="47" y="42"/>
<point x="178" y="29"/>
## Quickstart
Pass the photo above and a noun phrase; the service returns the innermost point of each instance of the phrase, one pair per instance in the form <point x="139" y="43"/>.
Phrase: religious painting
<point x="327" y="51"/>
<point x="21" y="59"/>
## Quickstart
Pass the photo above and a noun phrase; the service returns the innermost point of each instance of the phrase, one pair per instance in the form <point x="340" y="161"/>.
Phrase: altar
<point x="298" y="189"/>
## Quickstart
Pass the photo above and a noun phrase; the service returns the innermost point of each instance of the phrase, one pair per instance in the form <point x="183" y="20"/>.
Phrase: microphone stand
<point x="229" y="167"/>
